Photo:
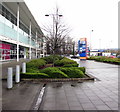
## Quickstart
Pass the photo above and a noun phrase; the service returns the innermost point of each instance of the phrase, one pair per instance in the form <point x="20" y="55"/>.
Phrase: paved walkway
<point x="8" y="99"/>
<point x="23" y="96"/>
<point x="89" y="95"/>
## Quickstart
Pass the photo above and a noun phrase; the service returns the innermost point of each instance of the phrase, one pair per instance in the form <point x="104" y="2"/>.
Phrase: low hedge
<point x="80" y="68"/>
<point x="70" y="65"/>
<point x="54" y="72"/>
<point x="34" y="75"/>
<point x="68" y="68"/>
<point x="64" y="61"/>
<point x="35" y="64"/>
<point x="105" y="59"/>
<point x="52" y="58"/>
<point x="32" y="70"/>
<point x="49" y="70"/>
<point x="72" y="72"/>
<point x="58" y="74"/>
<point x="93" y="57"/>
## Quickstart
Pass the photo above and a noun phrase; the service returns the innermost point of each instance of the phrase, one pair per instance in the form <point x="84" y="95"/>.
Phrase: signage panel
<point x="82" y="48"/>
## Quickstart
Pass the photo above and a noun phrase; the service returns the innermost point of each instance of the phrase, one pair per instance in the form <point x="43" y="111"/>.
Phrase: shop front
<point x="4" y="51"/>
<point x="9" y="51"/>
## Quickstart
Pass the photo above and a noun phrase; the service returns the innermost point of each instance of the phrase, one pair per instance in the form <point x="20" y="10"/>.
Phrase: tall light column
<point x="99" y="43"/>
<point x="55" y="30"/>
<point x="43" y="48"/>
<point x="30" y="40"/>
<point x="18" y="14"/>
<point x="90" y="39"/>
<point x="36" y="44"/>
<point x="40" y="47"/>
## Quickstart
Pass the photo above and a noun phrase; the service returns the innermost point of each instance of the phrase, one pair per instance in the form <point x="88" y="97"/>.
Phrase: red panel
<point x="4" y="46"/>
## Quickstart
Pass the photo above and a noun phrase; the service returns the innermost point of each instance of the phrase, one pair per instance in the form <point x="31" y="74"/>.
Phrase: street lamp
<point x="100" y="43"/>
<point x="90" y="40"/>
<point x="46" y="15"/>
<point x="54" y="17"/>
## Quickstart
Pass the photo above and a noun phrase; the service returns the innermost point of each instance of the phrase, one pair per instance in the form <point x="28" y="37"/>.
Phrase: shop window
<point x="0" y="9"/>
<point x="5" y="54"/>
<point x="8" y="15"/>
<point x="0" y="54"/>
<point x="3" y="11"/>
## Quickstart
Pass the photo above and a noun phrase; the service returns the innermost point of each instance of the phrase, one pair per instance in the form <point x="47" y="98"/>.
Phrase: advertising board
<point x="82" y="48"/>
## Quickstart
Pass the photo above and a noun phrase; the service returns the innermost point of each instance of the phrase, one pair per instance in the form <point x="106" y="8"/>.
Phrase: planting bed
<point x="54" y="68"/>
<point x="105" y="59"/>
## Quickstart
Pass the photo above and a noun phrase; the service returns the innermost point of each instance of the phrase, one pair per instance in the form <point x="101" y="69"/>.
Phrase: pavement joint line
<point x="39" y="100"/>
<point x="89" y="74"/>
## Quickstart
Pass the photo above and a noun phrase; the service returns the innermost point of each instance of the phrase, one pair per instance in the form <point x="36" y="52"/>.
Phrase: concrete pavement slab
<point x="21" y="97"/>
<point x="89" y="95"/>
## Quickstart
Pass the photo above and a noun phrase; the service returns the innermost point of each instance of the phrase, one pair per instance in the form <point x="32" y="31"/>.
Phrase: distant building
<point x="97" y="52"/>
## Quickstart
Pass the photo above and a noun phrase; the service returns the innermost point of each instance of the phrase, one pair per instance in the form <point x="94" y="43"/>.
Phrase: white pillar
<point x="36" y="44"/>
<point x="24" y="67"/>
<point x="43" y="49"/>
<point x="30" y="40"/>
<point x="17" y="77"/>
<point x="44" y="46"/>
<point x="10" y="78"/>
<point x="18" y="33"/>
<point x="40" y="47"/>
<point x="25" y="53"/>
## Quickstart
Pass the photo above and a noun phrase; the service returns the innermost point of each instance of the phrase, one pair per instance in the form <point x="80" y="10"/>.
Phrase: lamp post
<point x="99" y="43"/>
<point x="90" y="39"/>
<point x="55" y="22"/>
<point x="73" y="48"/>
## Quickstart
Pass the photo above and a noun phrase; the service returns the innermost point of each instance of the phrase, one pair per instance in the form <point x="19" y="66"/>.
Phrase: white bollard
<point x="17" y="77"/>
<point x="10" y="78"/>
<point x="24" y="67"/>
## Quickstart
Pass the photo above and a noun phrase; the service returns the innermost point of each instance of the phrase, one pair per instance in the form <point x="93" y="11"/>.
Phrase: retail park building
<point x="20" y="34"/>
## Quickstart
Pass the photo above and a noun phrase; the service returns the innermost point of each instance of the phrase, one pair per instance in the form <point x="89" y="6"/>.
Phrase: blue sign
<point x="82" y="48"/>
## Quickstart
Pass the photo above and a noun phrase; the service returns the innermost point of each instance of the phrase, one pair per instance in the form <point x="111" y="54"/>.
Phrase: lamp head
<point x="46" y="15"/>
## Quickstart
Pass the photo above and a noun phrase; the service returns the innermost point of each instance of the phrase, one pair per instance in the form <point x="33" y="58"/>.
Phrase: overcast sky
<point x="82" y="16"/>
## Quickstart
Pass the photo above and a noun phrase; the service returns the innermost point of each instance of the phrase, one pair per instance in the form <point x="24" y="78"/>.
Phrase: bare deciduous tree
<point x="56" y="33"/>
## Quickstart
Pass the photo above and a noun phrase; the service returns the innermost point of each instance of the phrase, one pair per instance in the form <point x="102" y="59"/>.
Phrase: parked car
<point x="118" y="56"/>
<point x="111" y="56"/>
<point x="71" y="55"/>
<point x="74" y="56"/>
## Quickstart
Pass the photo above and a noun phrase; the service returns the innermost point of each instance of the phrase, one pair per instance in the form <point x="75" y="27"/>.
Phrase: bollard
<point x="10" y="78"/>
<point x="17" y="78"/>
<point x="24" y="67"/>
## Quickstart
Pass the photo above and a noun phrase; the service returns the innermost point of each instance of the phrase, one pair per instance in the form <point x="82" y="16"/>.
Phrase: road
<point x="96" y="95"/>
